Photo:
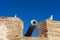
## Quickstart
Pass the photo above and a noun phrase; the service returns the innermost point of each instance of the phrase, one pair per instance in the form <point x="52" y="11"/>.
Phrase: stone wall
<point x="53" y="29"/>
<point x="42" y="29"/>
<point x="10" y="28"/>
<point x="49" y="28"/>
<point x="34" y="38"/>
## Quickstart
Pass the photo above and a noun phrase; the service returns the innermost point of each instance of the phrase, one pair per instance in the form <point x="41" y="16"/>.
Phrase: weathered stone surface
<point x="52" y="27"/>
<point x="42" y="29"/>
<point x="34" y="38"/>
<point x="10" y="28"/>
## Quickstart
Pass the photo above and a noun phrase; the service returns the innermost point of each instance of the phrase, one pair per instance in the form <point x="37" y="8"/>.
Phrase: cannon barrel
<point x="31" y="28"/>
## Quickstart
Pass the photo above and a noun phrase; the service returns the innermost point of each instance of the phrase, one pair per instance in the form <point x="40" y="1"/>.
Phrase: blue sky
<point x="30" y="9"/>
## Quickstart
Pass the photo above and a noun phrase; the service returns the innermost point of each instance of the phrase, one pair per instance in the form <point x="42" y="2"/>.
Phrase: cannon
<point x="31" y="28"/>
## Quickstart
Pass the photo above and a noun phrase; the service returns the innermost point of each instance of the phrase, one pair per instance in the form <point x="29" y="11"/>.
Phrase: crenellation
<point x="12" y="26"/>
<point x="12" y="29"/>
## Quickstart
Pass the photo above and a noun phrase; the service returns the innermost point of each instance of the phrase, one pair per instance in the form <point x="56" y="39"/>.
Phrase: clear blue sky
<point x="30" y="9"/>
